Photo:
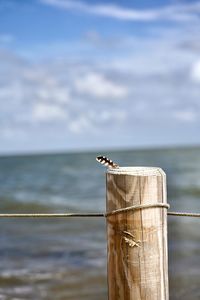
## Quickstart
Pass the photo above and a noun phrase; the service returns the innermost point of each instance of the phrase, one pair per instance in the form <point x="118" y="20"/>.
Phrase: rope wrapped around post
<point x="136" y="207"/>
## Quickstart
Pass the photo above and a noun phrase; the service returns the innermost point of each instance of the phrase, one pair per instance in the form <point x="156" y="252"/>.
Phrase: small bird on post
<point x="107" y="162"/>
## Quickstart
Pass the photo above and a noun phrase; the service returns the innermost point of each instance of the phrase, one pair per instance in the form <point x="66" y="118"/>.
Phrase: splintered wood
<point x="137" y="240"/>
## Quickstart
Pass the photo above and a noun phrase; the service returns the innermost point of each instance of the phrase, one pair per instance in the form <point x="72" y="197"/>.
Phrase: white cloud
<point x="12" y="90"/>
<point x="187" y="116"/>
<point x="176" y="12"/>
<point x="79" y="125"/>
<point x="97" y="86"/>
<point x="71" y="97"/>
<point x="53" y="93"/>
<point x="195" y="71"/>
<point x="47" y="112"/>
<point x="48" y="86"/>
<point x="117" y="115"/>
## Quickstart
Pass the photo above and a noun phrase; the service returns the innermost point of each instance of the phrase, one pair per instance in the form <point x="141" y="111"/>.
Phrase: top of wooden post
<point x="137" y="171"/>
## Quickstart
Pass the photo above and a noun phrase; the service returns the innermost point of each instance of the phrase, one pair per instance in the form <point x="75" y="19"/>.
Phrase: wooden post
<point x="137" y="240"/>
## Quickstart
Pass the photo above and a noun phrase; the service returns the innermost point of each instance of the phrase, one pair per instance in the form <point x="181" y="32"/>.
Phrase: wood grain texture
<point x="137" y="240"/>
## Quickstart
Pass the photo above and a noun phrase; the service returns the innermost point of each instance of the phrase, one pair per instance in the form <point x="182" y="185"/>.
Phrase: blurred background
<point x="79" y="79"/>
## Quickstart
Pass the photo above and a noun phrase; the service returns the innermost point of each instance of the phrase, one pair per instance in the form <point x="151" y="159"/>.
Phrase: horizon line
<point x="99" y="150"/>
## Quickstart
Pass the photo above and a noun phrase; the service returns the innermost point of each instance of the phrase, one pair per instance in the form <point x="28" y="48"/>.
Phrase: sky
<point x="78" y="75"/>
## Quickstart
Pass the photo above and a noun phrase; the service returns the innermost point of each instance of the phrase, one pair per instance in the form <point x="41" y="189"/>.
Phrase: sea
<point x="61" y="259"/>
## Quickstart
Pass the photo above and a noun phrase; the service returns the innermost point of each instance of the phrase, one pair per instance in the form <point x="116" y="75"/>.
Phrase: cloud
<point x="97" y="86"/>
<point x="95" y="121"/>
<point x="48" y="112"/>
<point x="185" y="116"/>
<point x="117" y="115"/>
<point x="42" y="95"/>
<point x="80" y="124"/>
<point x="51" y="93"/>
<point x="176" y="12"/>
<point x="151" y="83"/>
<point x="195" y="71"/>
<point x="84" y="99"/>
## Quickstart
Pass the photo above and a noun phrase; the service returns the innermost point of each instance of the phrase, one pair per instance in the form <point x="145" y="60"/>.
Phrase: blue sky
<point x="98" y="74"/>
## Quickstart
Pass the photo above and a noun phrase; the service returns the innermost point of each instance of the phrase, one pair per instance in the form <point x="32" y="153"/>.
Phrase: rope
<point x="183" y="214"/>
<point x="107" y="214"/>
<point x="53" y="215"/>
<point x="136" y="207"/>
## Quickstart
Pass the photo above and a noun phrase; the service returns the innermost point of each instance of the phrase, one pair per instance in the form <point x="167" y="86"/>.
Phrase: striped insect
<point x="107" y="162"/>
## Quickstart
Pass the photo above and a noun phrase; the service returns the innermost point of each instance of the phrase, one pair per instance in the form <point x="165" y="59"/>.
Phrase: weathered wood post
<point x="137" y="240"/>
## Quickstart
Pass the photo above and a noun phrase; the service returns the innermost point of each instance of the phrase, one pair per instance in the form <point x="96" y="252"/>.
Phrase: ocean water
<point x="66" y="258"/>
